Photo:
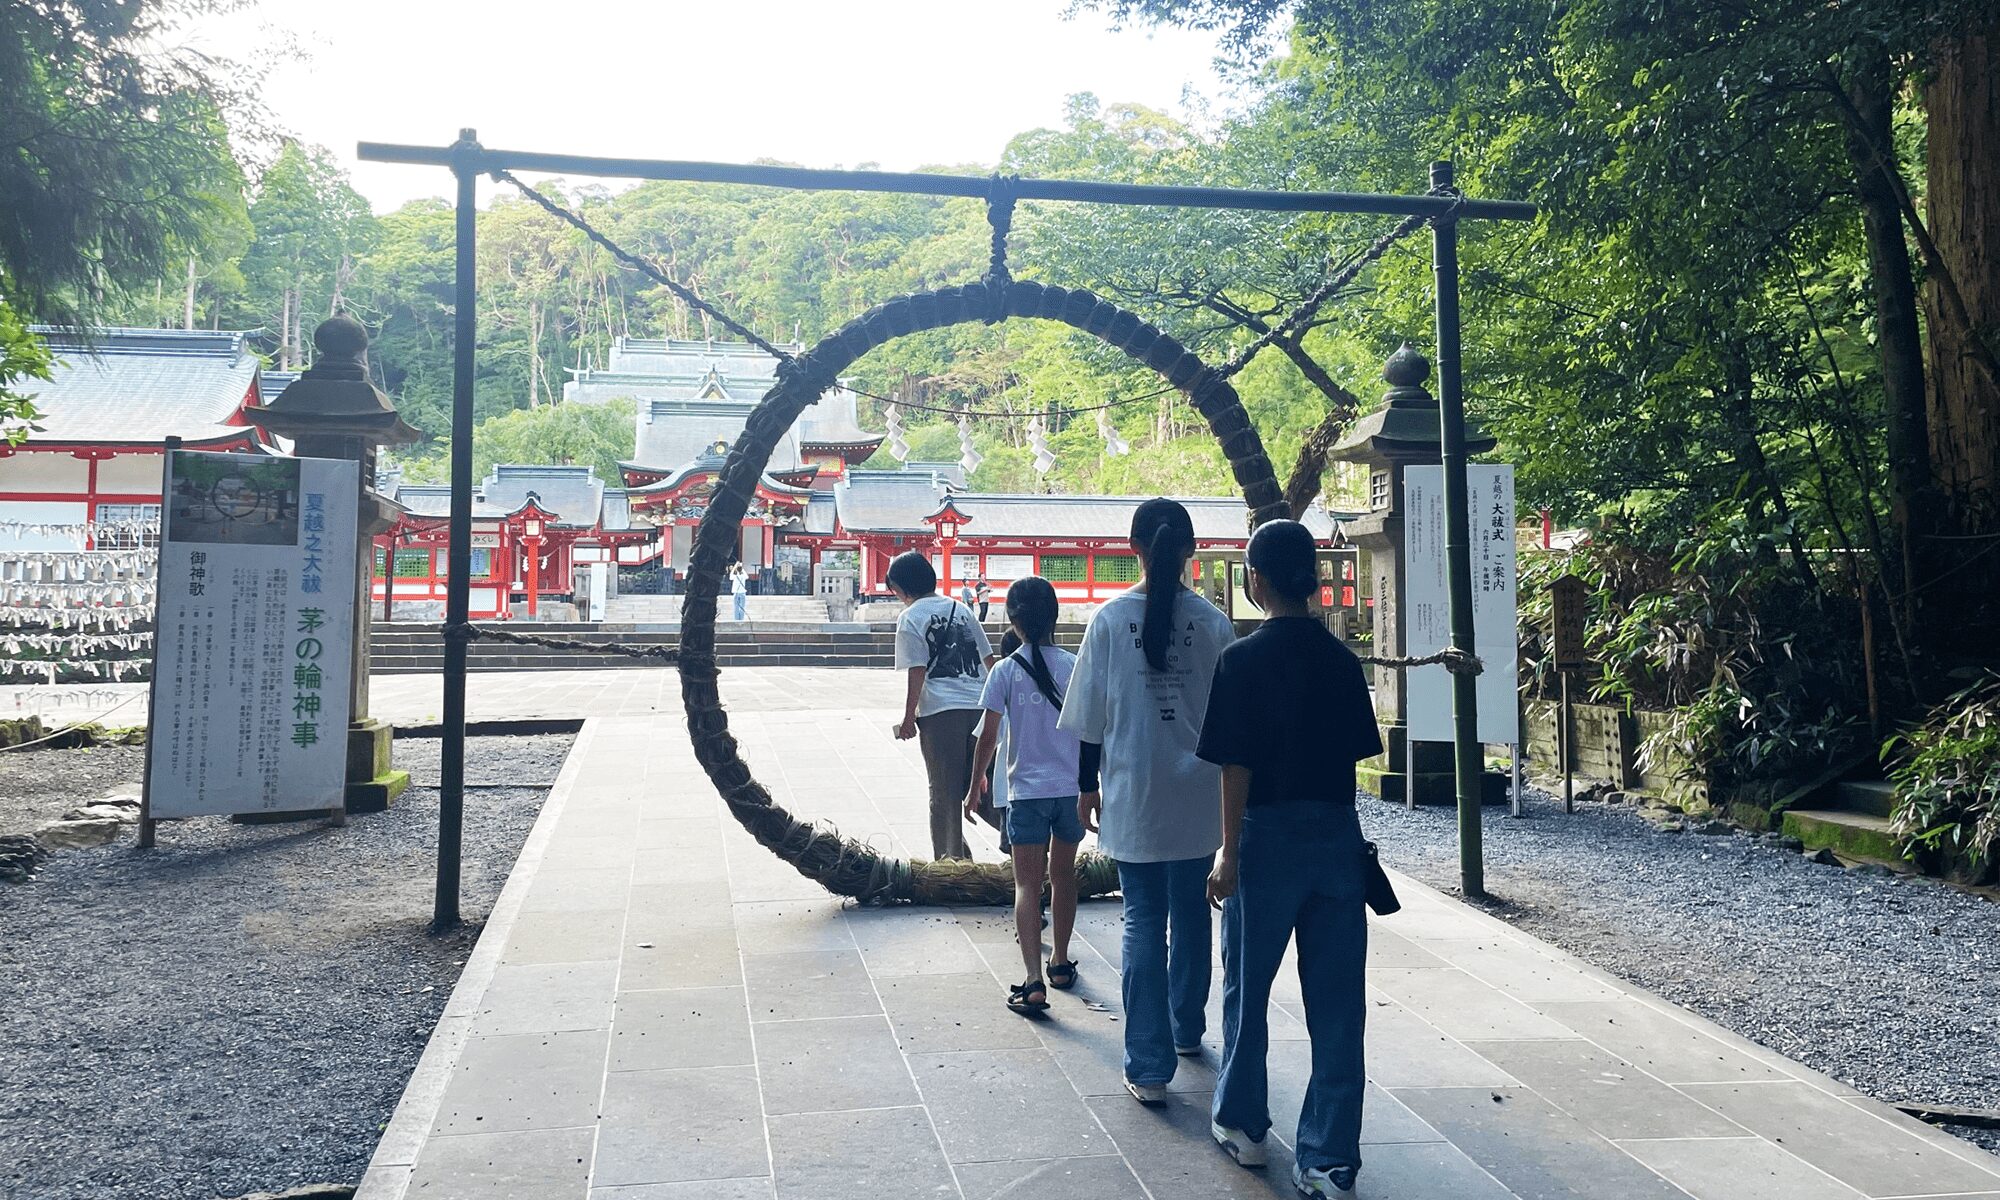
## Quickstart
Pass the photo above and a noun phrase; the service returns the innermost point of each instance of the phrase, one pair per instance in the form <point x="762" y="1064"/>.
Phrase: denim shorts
<point x="1032" y="822"/>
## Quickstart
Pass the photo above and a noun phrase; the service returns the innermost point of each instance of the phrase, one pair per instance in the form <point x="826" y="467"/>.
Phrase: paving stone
<point x="796" y="987"/>
<point x="546" y="998"/>
<point x="1404" y="1050"/>
<point x="1089" y="1046"/>
<point x="576" y="889"/>
<point x="1857" y="1147"/>
<point x="1519" y="970"/>
<point x="1102" y="1178"/>
<point x="1662" y="1046"/>
<point x="681" y="1027"/>
<point x="586" y="935"/>
<point x="706" y="1189"/>
<point x="898" y="942"/>
<point x="1427" y="1171"/>
<point x="943" y="1013"/>
<point x="530" y="1165"/>
<point x="834" y="1063"/>
<point x="1462" y="1006"/>
<point x="524" y="1081"/>
<point x="675" y="1126"/>
<point x="881" y="1154"/>
<point x="1171" y="1152"/>
<point x="1607" y="1094"/>
<point x="1004" y="1104"/>
<point x="792" y="926"/>
<point x="1386" y="949"/>
<point x="670" y="957"/>
<point x="1536" y="1151"/>
<point x="1737" y="1169"/>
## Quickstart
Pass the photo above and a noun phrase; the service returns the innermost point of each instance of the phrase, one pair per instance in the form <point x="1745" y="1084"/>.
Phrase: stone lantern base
<point x="1424" y="770"/>
<point x="372" y="783"/>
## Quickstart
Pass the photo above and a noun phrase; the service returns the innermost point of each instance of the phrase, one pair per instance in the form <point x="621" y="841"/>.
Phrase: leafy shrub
<point x="1947" y="776"/>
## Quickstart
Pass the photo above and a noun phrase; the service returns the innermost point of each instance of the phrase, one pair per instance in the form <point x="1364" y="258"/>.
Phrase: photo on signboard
<point x="235" y="500"/>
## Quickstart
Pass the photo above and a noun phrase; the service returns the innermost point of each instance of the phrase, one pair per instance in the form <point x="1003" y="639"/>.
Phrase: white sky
<point x="827" y="83"/>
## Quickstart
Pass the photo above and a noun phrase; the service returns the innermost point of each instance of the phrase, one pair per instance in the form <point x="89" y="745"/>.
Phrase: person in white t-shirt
<point x="1136" y="702"/>
<point x="1025" y="691"/>
<point x="945" y="652"/>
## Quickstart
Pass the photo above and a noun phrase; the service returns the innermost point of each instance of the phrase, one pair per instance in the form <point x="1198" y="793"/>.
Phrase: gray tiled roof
<point x="673" y="433"/>
<point x="618" y="511"/>
<point x="897" y="502"/>
<point x="574" y="495"/>
<point x="434" y="500"/>
<point x="142" y="386"/>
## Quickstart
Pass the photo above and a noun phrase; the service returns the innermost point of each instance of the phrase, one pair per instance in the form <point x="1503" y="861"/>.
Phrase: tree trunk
<point x="1963" y="101"/>
<point x="1963" y="198"/>
<point x="285" y="334"/>
<point x="1912" y="498"/>
<point x="187" y="297"/>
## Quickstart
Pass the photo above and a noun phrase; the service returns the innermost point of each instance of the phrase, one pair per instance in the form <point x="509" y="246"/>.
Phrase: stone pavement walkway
<point x="661" y="1010"/>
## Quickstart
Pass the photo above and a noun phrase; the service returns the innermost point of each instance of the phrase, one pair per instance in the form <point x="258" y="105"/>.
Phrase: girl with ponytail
<point x="1136" y="702"/>
<point x="1025" y="691"/>
<point x="1289" y="716"/>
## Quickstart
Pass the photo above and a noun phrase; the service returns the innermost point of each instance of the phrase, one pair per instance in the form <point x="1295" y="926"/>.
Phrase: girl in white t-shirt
<point x="1137" y="702"/>
<point x="1025" y="690"/>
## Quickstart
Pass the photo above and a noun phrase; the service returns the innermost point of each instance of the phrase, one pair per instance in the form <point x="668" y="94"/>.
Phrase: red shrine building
<point x="92" y="455"/>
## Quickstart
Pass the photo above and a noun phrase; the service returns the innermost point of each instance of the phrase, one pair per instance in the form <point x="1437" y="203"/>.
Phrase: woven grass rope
<point x="843" y="865"/>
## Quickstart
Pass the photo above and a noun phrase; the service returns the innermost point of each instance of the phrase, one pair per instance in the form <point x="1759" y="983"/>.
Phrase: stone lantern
<point x="1402" y="433"/>
<point x="332" y="411"/>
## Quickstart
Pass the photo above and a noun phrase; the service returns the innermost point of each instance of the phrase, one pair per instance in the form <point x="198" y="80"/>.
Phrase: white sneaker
<point x="1146" y="1093"/>
<point x="1246" y="1150"/>
<point x="1312" y="1181"/>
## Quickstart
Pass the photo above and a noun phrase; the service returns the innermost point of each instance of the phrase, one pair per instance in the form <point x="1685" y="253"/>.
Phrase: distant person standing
<point x="739" y="590"/>
<point x="985" y="593"/>
<point x="1136" y="701"/>
<point x="1288" y="717"/>
<point x="965" y="596"/>
<point x="945" y="652"/>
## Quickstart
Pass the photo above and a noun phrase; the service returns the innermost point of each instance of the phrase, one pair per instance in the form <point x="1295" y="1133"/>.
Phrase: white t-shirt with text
<point x="1041" y="759"/>
<point x="1161" y="802"/>
<point x="943" y="637"/>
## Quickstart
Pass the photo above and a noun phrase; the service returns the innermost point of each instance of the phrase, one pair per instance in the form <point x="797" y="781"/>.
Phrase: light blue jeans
<point x="1299" y="871"/>
<point x="742" y="603"/>
<point x="1167" y="962"/>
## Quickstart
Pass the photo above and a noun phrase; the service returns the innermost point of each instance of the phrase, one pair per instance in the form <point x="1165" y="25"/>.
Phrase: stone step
<point x="1855" y="835"/>
<point x="1876" y="797"/>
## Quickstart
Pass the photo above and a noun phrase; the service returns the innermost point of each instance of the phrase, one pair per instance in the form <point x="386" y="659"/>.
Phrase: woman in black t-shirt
<point x="1288" y="717"/>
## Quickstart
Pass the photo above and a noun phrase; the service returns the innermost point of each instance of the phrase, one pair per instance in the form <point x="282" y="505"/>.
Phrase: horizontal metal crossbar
<point x="481" y="160"/>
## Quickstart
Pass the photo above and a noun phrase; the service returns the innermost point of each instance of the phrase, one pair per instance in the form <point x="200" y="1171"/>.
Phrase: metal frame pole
<point x="458" y="572"/>
<point x="1458" y="544"/>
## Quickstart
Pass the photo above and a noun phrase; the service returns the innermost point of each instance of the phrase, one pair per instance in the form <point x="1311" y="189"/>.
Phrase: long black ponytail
<point x="1164" y="533"/>
<point x="1032" y="609"/>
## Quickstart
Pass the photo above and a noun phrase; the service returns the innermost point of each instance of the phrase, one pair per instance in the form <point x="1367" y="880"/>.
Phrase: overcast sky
<point x="896" y="83"/>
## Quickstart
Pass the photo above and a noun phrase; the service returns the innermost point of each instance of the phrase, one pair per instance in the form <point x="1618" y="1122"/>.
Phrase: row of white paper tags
<point x="47" y="669"/>
<point x="81" y="529"/>
<point x="76" y="566"/>
<point x="73" y="595"/>
<point x="77" y="618"/>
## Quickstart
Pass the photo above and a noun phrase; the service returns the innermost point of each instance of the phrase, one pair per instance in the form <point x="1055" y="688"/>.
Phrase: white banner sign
<point x="1426" y="608"/>
<point x="256" y="634"/>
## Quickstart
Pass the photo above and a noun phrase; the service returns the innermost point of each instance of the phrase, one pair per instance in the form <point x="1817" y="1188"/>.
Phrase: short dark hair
<point x="1283" y="552"/>
<point x="912" y="573"/>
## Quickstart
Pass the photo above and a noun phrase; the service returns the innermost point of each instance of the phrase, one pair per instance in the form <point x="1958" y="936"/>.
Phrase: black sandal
<point x="1062" y="975"/>
<point x="1018" y="998"/>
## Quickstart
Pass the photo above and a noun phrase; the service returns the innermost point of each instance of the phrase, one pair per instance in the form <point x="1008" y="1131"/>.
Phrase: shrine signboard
<point x="254" y="654"/>
<point x="1490" y="488"/>
<point x="1570" y="598"/>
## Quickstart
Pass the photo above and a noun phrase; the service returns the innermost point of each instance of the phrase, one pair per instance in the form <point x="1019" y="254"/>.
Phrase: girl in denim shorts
<point x="1025" y="689"/>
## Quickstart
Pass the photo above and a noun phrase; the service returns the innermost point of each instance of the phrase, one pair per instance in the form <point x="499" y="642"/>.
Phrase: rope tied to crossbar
<point x="1001" y="192"/>
<point x="1451" y="658"/>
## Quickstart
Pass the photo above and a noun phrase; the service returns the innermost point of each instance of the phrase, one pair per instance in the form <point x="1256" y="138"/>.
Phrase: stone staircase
<point x="1855" y="826"/>
<point x="666" y="610"/>
<point x="407" y="649"/>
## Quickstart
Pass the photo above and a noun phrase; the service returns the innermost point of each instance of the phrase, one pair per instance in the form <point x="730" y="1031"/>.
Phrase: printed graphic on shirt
<point x="953" y="652"/>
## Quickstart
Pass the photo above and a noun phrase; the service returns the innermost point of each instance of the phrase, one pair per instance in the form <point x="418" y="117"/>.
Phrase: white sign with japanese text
<point x="254" y="654"/>
<point x="1426" y="606"/>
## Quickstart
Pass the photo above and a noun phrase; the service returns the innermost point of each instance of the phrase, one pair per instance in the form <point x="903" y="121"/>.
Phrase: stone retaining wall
<point x="1606" y="741"/>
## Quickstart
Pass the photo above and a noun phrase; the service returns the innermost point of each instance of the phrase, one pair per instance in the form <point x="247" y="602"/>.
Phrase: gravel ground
<point x="240" y="1010"/>
<point x="1883" y="982"/>
<point x="41" y="785"/>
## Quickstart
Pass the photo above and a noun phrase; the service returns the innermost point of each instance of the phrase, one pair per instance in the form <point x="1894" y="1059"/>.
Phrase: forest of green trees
<point x="1750" y="342"/>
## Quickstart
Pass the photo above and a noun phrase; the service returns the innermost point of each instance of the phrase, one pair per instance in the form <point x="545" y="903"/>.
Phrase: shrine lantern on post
<point x="1404" y="432"/>
<point x="945" y="523"/>
<point x="333" y="411"/>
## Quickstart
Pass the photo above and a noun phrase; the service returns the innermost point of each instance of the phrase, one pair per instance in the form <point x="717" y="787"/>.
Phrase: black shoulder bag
<point x="1379" y="893"/>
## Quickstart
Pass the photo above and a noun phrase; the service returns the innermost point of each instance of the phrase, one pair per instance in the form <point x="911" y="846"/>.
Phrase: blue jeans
<point x="1299" y="871"/>
<point x="742" y="603"/>
<point x="1165" y="980"/>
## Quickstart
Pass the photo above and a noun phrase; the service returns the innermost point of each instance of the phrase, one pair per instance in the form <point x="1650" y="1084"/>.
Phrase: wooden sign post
<point x="1571" y="600"/>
